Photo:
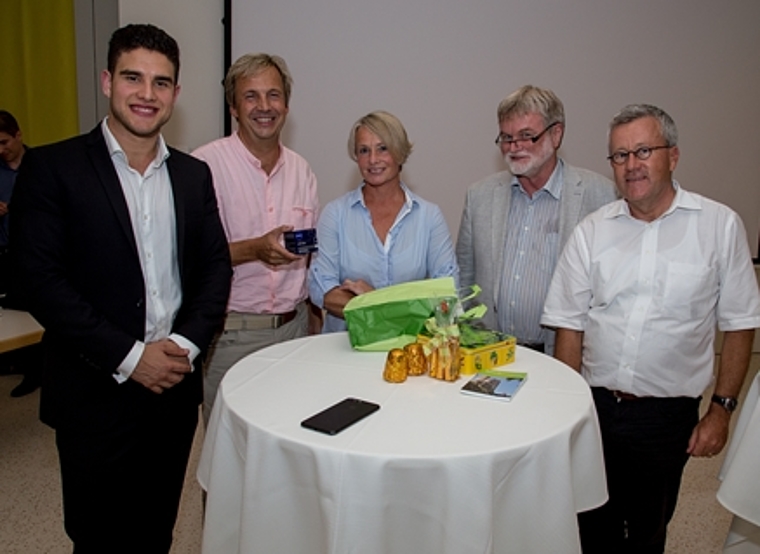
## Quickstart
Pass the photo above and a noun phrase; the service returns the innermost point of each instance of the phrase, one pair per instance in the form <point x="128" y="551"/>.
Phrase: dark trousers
<point x="644" y="443"/>
<point x="121" y="489"/>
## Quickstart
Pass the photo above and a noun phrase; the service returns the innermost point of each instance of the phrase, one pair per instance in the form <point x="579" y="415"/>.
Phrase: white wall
<point x="95" y="21"/>
<point x="442" y="66"/>
<point x="197" y="27"/>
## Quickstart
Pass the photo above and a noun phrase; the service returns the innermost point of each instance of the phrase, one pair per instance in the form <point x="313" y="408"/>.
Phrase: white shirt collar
<point x="115" y="149"/>
<point x="683" y="200"/>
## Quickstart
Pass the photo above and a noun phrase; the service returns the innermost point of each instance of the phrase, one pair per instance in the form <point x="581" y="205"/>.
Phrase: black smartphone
<point x="301" y="242"/>
<point x="337" y="417"/>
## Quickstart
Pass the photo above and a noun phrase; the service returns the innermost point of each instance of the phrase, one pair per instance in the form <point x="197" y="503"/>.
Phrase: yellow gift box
<point x="485" y="357"/>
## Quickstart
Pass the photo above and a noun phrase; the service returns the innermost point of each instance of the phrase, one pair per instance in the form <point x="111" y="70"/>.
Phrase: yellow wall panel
<point x="38" y="79"/>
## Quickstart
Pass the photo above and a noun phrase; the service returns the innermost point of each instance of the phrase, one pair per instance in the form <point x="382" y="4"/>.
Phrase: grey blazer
<point x="483" y="231"/>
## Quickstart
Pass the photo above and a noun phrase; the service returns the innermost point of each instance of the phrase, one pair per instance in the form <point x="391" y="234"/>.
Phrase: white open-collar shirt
<point x="648" y="295"/>
<point x="150" y="202"/>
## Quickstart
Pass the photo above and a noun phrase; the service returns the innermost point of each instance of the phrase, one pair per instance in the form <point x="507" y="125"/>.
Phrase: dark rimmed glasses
<point x="521" y="141"/>
<point x="642" y="153"/>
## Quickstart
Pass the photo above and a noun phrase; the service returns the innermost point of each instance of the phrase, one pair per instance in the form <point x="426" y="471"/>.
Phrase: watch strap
<point x="728" y="403"/>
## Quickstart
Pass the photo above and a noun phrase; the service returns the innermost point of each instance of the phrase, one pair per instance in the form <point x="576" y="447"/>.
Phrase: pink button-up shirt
<point x="252" y="203"/>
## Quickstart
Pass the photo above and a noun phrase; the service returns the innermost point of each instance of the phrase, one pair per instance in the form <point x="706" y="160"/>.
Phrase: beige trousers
<point x="232" y="345"/>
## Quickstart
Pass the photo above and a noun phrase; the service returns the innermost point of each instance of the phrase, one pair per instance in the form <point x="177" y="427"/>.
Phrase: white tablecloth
<point x="433" y="470"/>
<point x="740" y="490"/>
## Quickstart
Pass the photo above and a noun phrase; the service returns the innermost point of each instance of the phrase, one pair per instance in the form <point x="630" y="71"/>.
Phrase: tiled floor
<point x="30" y="489"/>
<point x="30" y="504"/>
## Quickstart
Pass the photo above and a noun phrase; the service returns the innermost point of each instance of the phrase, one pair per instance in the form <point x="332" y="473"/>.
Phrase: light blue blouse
<point x="418" y="246"/>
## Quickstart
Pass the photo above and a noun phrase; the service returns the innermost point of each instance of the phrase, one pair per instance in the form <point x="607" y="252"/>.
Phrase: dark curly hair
<point x="150" y="37"/>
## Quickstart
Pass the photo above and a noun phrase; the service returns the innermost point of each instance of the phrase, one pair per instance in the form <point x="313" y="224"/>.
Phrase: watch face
<point x="727" y="402"/>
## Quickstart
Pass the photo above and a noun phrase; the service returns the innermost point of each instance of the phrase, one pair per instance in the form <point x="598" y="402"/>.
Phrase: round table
<point x="740" y="490"/>
<point x="433" y="470"/>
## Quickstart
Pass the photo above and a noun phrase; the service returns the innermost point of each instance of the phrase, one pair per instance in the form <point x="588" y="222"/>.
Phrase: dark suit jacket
<point x="79" y="274"/>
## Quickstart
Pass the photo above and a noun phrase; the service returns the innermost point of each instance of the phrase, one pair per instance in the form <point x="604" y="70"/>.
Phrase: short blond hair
<point x="389" y="129"/>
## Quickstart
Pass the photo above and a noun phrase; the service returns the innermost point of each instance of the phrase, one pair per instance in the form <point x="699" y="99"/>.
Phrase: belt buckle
<point x="276" y="321"/>
<point x="620" y="395"/>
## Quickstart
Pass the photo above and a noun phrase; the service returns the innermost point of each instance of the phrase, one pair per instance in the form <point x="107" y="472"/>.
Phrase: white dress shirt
<point x="151" y="210"/>
<point x="648" y="295"/>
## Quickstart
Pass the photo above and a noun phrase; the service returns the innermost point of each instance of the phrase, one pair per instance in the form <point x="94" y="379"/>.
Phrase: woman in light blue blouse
<point x="380" y="234"/>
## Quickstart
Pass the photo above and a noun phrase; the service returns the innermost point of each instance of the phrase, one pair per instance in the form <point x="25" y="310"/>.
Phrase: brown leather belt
<point x="620" y="395"/>
<point x="237" y="321"/>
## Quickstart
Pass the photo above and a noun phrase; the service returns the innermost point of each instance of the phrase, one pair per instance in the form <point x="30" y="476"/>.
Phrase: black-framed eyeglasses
<point x="509" y="141"/>
<point x="641" y="153"/>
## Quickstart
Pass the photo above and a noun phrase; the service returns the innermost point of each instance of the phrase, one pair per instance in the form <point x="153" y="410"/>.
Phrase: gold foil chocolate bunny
<point x="415" y="358"/>
<point x="396" y="367"/>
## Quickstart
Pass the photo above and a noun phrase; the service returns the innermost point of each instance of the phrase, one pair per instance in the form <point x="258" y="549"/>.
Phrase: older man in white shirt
<point x="635" y="298"/>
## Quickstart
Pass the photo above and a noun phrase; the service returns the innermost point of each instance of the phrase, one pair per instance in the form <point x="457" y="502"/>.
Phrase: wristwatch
<point x="729" y="403"/>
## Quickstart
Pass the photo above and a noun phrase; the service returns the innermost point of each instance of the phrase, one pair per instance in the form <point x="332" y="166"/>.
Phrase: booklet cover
<point x="501" y="385"/>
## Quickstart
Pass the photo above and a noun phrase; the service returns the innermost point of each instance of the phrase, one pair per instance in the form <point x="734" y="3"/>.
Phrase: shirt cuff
<point x="188" y="345"/>
<point x="128" y="364"/>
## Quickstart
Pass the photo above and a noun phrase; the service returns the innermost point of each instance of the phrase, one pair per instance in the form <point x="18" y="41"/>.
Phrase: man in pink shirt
<point x="263" y="189"/>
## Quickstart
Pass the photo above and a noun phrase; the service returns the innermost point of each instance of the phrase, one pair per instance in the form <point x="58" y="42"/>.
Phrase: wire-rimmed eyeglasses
<point x="642" y="153"/>
<point x="509" y="141"/>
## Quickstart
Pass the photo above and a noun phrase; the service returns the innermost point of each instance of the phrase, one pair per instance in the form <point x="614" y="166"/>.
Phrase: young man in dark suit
<point x="122" y="258"/>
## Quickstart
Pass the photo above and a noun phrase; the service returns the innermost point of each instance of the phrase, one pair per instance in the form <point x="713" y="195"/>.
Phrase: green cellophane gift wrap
<point x="392" y="317"/>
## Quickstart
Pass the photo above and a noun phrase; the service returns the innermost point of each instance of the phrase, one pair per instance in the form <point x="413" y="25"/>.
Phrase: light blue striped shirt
<point x="418" y="246"/>
<point x="531" y="252"/>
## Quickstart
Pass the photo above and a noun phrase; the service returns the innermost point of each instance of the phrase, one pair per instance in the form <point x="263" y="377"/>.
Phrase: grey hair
<point x="632" y="112"/>
<point x="530" y="99"/>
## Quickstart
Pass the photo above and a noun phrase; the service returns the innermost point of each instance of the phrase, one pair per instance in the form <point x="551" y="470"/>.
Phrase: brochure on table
<point x="499" y="385"/>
